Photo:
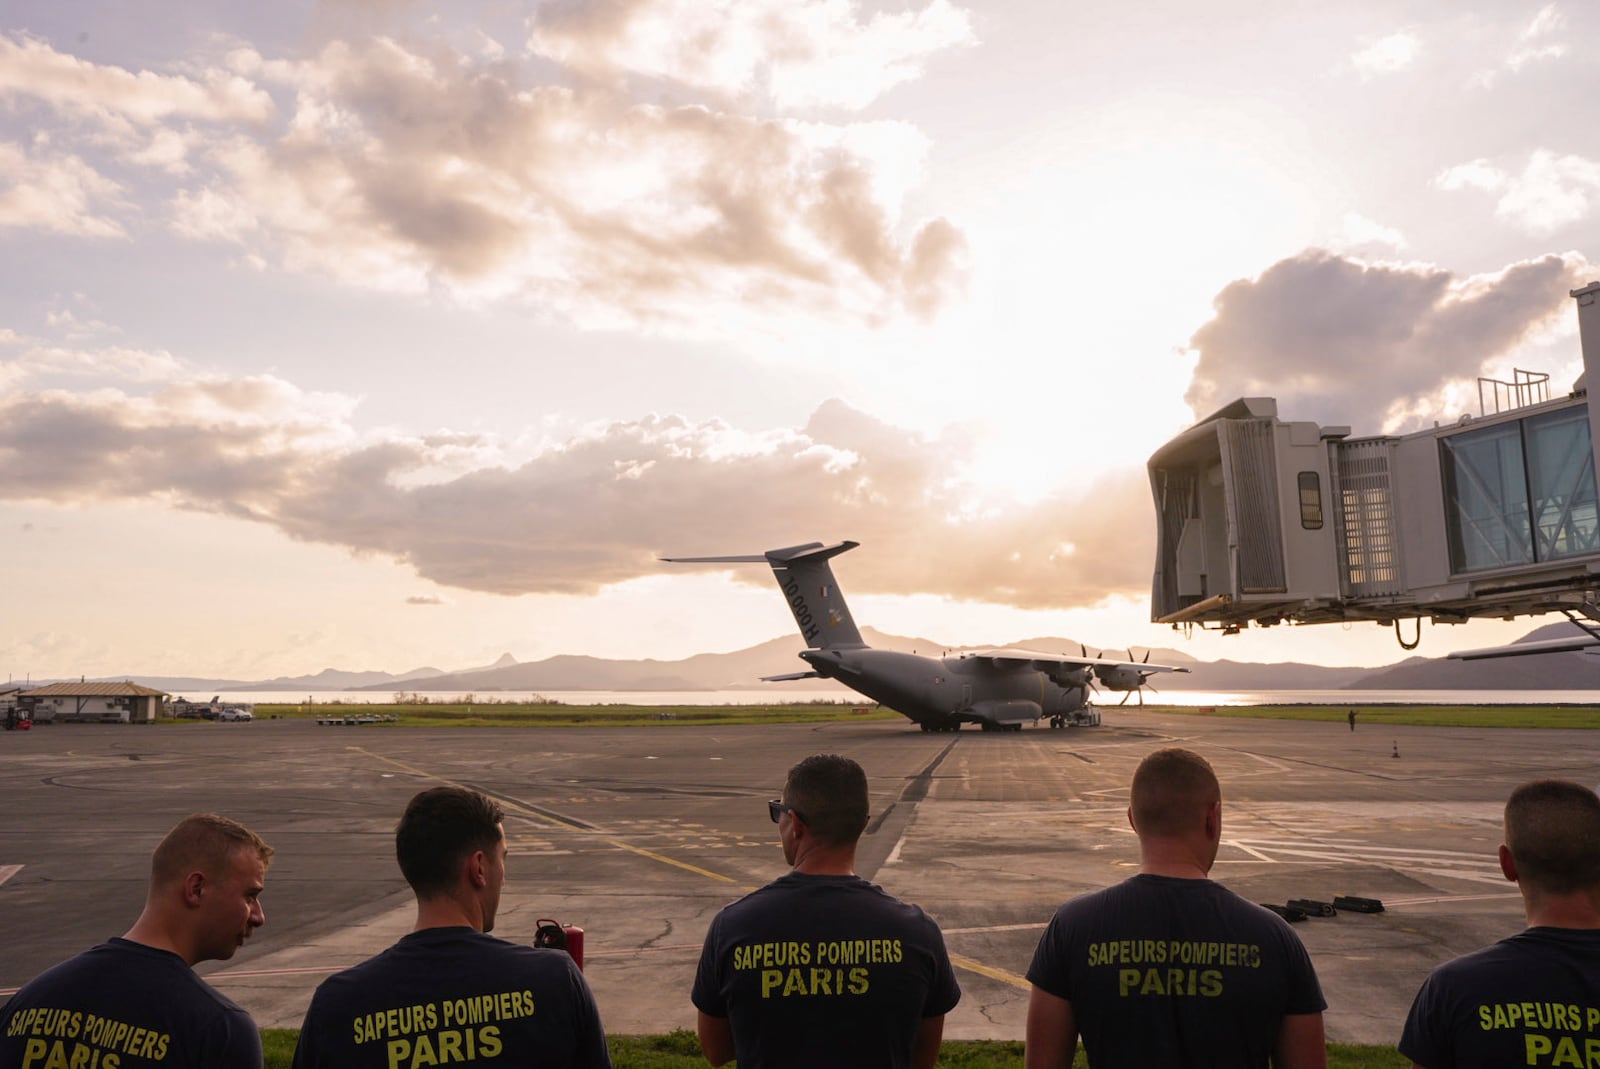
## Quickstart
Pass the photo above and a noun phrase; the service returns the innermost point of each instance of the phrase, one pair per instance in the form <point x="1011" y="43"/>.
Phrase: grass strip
<point x="558" y="714"/>
<point x="679" y="1049"/>
<point x="1455" y="716"/>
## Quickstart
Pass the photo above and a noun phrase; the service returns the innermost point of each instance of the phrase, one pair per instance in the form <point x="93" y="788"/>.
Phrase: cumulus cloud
<point x="594" y="509"/>
<point x="28" y="360"/>
<point x="1543" y="38"/>
<point x="798" y="53"/>
<point x="56" y="192"/>
<point x="31" y="68"/>
<point x="1333" y="338"/>
<point x="413" y="167"/>
<point x="1387" y="55"/>
<point x="1551" y="192"/>
<point x="1357" y="233"/>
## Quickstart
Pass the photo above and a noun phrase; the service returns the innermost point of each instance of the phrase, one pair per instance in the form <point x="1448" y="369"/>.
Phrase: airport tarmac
<point x="639" y="835"/>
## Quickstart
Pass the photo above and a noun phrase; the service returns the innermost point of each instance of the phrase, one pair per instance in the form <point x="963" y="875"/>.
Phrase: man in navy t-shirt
<point x="1168" y="968"/>
<point x="135" y="1001"/>
<point x="449" y="992"/>
<point x="1532" y="999"/>
<point x="821" y="968"/>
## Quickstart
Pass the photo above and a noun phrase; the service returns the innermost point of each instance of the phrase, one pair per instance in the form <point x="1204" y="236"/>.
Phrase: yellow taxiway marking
<point x="961" y="961"/>
<point x="523" y="811"/>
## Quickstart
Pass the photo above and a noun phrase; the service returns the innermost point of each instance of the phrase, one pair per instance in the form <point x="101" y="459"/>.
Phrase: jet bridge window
<point x="1520" y="492"/>
<point x="1310" y="500"/>
<point x="1561" y="484"/>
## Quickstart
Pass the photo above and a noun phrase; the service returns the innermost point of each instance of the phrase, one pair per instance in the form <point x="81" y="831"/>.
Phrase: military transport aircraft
<point x="999" y="689"/>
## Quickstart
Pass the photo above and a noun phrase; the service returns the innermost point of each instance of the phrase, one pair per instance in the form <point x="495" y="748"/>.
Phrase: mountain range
<point x="742" y="669"/>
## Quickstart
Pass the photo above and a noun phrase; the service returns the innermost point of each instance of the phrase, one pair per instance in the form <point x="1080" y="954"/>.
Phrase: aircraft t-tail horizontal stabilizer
<point x="791" y="676"/>
<point x="806" y="579"/>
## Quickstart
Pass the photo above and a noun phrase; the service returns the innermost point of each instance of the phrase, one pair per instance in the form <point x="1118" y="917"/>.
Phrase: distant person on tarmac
<point x="1168" y="968"/>
<point x="1533" y="998"/>
<point x="1352" y="720"/>
<point x="449" y="992"/>
<point x="134" y="1001"/>
<point x="820" y="967"/>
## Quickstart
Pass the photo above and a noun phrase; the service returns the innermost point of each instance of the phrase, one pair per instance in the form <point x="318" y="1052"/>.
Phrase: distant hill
<point x="1538" y="671"/>
<point x="743" y="669"/>
<point x="327" y="679"/>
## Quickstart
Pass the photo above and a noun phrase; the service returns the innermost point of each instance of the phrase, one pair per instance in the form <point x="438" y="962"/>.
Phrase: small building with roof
<point x="8" y="702"/>
<point x="65" y="703"/>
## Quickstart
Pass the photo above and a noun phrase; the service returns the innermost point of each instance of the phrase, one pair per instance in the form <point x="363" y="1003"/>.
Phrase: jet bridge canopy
<point x="1262" y="520"/>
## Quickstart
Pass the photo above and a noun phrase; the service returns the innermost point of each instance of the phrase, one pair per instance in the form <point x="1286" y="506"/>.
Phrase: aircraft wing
<point x="1527" y="649"/>
<point x="1006" y="655"/>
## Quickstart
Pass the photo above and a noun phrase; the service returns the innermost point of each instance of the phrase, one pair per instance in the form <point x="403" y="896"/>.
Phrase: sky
<point x="370" y="334"/>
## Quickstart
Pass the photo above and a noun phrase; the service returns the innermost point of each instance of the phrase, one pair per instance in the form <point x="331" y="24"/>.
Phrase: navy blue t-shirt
<point x="1532" y="999"/>
<point x="126" y="1005"/>
<point x="444" y="996"/>
<point x="1175" y="972"/>
<point x="824" y="972"/>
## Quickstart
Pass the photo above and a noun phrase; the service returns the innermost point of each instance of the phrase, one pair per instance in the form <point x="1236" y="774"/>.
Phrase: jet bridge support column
<point x="1588" y="299"/>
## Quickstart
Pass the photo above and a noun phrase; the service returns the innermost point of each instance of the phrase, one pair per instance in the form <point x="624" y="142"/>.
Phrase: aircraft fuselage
<point x="944" y="692"/>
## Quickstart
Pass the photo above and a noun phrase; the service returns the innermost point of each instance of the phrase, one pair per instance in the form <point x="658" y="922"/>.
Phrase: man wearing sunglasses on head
<point x="820" y="967"/>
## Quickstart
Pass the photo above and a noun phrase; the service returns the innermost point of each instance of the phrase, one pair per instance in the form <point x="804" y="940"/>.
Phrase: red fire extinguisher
<point x="557" y="936"/>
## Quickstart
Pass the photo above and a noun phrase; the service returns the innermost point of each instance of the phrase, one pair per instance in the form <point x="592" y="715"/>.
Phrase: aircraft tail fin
<point x="806" y="579"/>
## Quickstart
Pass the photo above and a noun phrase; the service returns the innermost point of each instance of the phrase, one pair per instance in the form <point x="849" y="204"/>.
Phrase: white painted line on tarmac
<point x="1258" y="855"/>
<point x="894" y="855"/>
<point x="1032" y="926"/>
<point x="8" y="871"/>
<point x="1450" y="898"/>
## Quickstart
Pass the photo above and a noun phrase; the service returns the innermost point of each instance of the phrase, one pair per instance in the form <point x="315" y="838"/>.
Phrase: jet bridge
<point x="1264" y="520"/>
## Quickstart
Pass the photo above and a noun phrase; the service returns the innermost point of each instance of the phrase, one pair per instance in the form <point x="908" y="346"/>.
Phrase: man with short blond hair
<point x="135" y="1001"/>
<point x="1168" y="968"/>
<point x="1533" y="998"/>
